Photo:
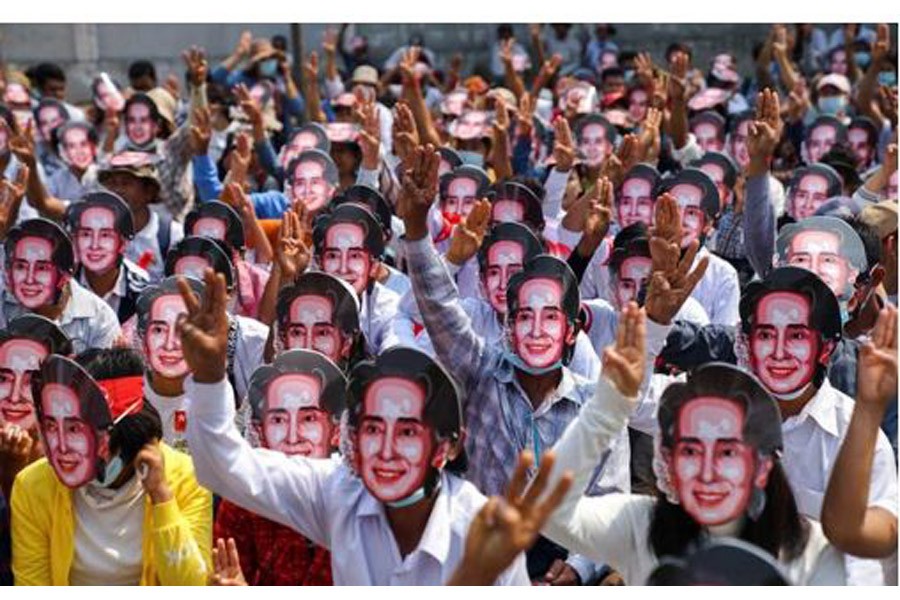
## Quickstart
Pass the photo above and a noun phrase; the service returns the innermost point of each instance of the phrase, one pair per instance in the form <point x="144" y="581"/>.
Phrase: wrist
<point x="758" y="166"/>
<point x="160" y="495"/>
<point x="211" y="376"/>
<point x="469" y="574"/>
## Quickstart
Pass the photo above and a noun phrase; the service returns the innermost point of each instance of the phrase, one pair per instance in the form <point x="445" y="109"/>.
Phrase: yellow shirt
<point x="177" y="535"/>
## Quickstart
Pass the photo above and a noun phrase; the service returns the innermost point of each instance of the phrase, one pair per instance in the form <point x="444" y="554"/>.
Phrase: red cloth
<point x="272" y="554"/>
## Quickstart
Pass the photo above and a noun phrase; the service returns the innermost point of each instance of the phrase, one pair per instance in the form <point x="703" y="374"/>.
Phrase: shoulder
<point x="464" y="500"/>
<point x="36" y="484"/>
<point x="249" y="326"/>
<point x="83" y="297"/>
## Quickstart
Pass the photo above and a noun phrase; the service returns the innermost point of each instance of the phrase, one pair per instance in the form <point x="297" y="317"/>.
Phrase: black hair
<point x="279" y="42"/>
<point x="867" y="125"/>
<point x="514" y="232"/>
<point x="63" y="254"/>
<point x="40" y="329"/>
<point x="870" y="240"/>
<point x="504" y="31"/>
<point x="43" y="72"/>
<point x="141" y="98"/>
<point x="135" y="430"/>
<point x="9" y="118"/>
<point x="678" y="46"/>
<point x="141" y="68"/>
<point x="58" y="135"/>
<point x="611" y="72"/>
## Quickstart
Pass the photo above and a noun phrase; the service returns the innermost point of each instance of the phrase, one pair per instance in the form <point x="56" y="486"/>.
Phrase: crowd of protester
<point x="590" y="316"/>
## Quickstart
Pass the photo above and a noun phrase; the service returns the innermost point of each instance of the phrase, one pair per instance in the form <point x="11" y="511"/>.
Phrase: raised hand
<point x="329" y="40"/>
<point x="240" y="159"/>
<point x="505" y="527"/>
<point x="418" y="189"/>
<point x="201" y="131"/>
<point x="226" y="564"/>
<point x="292" y="255"/>
<point x="764" y="132"/>
<point x="406" y="135"/>
<point x="629" y="152"/>
<point x="563" y="146"/>
<point x="151" y="468"/>
<point x="469" y="235"/>
<point x="649" y="137"/>
<point x="501" y="117"/>
<point x="408" y="65"/>
<point x="599" y="214"/>
<point x="798" y="102"/>
<point x="17" y="449"/>
<point x="366" y="115"/>
<point x="550" y="67"/>
<point x="678" y="78"/>
<point x="248" y="104"/>
<point x="779" y="39"/>
<point x="311" y="68"/>
<point x="672" y="279"/>
<point x="204" y="330"/>
<point x="525" y="118"/>
<point x="876" y="372"/>
<point x="197" y="65"/>
<point x="172" y="85"/>
<point x="242" y="48"/>
<point x="505" y="51"/>
<point x="11" y="195"/>
<point x="624" y="363"/>
<point x="22" y="144"/>
<point x="643" y="67"/>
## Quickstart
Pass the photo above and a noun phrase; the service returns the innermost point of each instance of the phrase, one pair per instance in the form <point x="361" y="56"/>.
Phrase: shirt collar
<point x="119" y="289"/>
<point x="435" y="539"/>
<point x="822" y="409"/>
<point x="79" y="305"/>
<point x="566" y="390"/>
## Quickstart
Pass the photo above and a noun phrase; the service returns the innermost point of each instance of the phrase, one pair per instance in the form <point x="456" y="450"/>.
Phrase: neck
<point x="53" y="311"/>
<point x="408" y="523"/>
<point x="166" y="386"/>
<point x="102" y="284"/>
<point x="790" y="408"/>
<point x="382" y="275"/>
<point x="141" y="217"/>
<point x="729" y="529"/>
<point x="77" y="172"/>
<point x="538" y="387"/>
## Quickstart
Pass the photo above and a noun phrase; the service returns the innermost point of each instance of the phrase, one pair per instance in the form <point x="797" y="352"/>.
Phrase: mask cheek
<point x="313" y="432"/>
<point x="369" y="446"/>
<point x="276" y="434"/>
<point x="413" y="451"/>
<point x="553" y="330"/>
<point x="79" y="444"/>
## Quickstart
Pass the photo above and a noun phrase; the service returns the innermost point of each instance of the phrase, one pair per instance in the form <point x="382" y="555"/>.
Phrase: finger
<point x="233" y="558"/>
<point x="695" y="276"/>
<point x="555" y="498"/>
<point x="187" y="293"/>
<point x="519" y="478"/>
<point x="555" y="570"/>
<point x="539" y="483"/>
<point x="687" y="260"/>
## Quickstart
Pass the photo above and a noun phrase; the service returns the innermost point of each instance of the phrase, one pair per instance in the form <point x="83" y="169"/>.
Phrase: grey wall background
<point x="86" y="49"/>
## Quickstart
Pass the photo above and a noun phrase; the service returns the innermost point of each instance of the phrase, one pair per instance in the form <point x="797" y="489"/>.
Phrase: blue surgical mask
<point x="520" y="364"/>
<point x="862" y="59"/>
<point x="269" y="67"/>
<point x="888" y="78"/>
<point x="831" y="105"/>
<point x="111" y="472"/>
<point x="470" y="157"/>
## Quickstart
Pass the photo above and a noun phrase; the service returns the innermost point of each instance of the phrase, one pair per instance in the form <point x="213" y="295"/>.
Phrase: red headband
<point x="124" y="395"/>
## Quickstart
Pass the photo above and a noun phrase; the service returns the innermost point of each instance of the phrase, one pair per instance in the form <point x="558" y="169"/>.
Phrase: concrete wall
<point x="85" y="49"/>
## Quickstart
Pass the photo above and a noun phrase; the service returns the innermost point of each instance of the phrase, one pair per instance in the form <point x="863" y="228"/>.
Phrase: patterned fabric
<point x="729" y="237"/>
<point x="272" y="554"/>
<point x="499" y="416"/>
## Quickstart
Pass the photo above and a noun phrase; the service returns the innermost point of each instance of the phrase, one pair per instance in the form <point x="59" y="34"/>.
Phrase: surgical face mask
<point x="888" y="78"/>
<point x="831" y="105"/>
<point x="471" y="158"/>
<point x="520" y="364"/>
<point x="862" y="59"/>
<point x="396" y="90"/>
<point x="111" y="472"/>
<point x="269" y="67"/>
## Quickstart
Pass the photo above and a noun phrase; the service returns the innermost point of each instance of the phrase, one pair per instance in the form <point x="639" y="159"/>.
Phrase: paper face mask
<point x="507" y="211"/>
<point x="593" y="145"/>
<point x="504" y="258"/>
<point x="858" y="140"/>
<point x="539" y="325"/>
<point x="717" y="174"/>
<point x="461" y="196"/>
<point x="345" y="255"/>
<point x="811" y="193"/>
<point x="632" y="275"/>
<point x="821" y="253"/>
<point x="312" y="327"/>
<point x="693" y="219"/>
<point x="162" y="344"/>
<point x="820" y="141"/>
<point x="48" y="119"/>
<point x="97" y="241"/>
<point x="139" y="125"/>
<point x="635" y="202"/>
<point x="310" y="186"/>
<point x="712" y="468"/>
<point x="71" y="440"/>
<point x="301" y="142"/>
<point x="395" y="446"/>
<point x="739" y="151"/>
<point x="293" y="421"/>
<point x="210" y="227"/>
<point x="707" y="135"/>
<point x="192" y="266"/>
<point x="784" y="348"/>
<point x="33" y="276"/>
<point x="77" y="149"/>
<point x="19" y="359"/>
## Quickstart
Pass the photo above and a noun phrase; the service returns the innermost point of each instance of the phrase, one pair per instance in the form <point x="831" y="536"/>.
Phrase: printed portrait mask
<point x="311" y="326"/>
<point x="310" y="185"/>
<point x="633" y="273"/>
<point x="345" y="255"/>
<point x="20" y="358"/>
<point x="98" y="243"/>
<point x="140" y="126"/>
<point x="820" y="141"/>
<point x="504" y="258"/>
<point x="33" y="276"/>
<point x="593" y="144"/>
<point x="635" y="202"/>
<point x="77" y="149"/>
<point x="162" y="342"/>
<point x="539" y="329"/>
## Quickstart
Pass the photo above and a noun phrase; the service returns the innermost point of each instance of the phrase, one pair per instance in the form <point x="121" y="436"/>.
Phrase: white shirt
<point x="248" y="351"/>
<point x="325" y="502"/>
<point x="120" y="288"/>
<point x="168" y="408"/>
<point x="86" y="319"/>
<point x="812" y="440"/>
<point x="65" y="185"/>
<point x="614" y="529"/>
<point x="377" y="309"/>
<point x="719" y="292"/>
<point x="109" y="537"/>
<point x="146" y="240"/>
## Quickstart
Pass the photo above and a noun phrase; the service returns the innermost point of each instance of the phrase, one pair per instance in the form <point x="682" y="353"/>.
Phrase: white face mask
<point x="396" y="90"/>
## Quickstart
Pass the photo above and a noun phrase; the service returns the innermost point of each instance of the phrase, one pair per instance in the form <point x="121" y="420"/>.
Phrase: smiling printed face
<point x="293" y="421"/>
<point x="712" y="467"/>
<point x="395" y="446"/>
<point x="97" y="241"/>
<point x="708" y="137"/>
<point x="811" y="193"/>
<point x="717" y="174"/>
<point x="693" y="219"/>
<point x="71" y="441"/>
<point x="739" y="151"/>
<point x="635" y="202"/>
<point x="503" y="259"/>
<point x="820" y="141"/>
<point x="593" y="144"/>
<point x="139" y="124"/>
<point x="49" y="118"/>
<point x="311" y="327"/>
<point x="77" y="148"/>
<point x="539" y="325"/>
<point x="460" y="198"/>
<point x="310" y="186"/>
<point x="345" y="255"/>
<point x="820" y="252"/>
<point x="32" y="274"/>
<point x="162" y="344"/>
<point x="632" y="275"/>
<point x="19" y="360"/>
<point x="784" y="348"/>
<point x="859" y="143"/>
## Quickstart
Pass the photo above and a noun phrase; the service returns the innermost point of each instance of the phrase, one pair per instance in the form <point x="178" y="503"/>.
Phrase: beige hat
<point x="882" y="217"/>
<point x="837" y="80"/>
<point x="166" y="105"/>
<point x="365" y="74"/>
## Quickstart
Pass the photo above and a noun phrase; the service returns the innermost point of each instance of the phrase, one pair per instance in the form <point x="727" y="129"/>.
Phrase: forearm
<point x="759" y="224"/>
<point x="177" y="551"/>
<point x="412" y="92"/>
<point x="206" y="178"/>
<point x="500" y="156"/>
<point x="513" y="81"/>
<point x="267" y="304"/>
<point x="314" y="110"/>
<point x="786" y="71"/>
<point x="678" y="124"/>
<point x="258" y="240"/>
<point x="554" y="190"/>
<point x="48" y="206"/>
<point x="847" y="520"/>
